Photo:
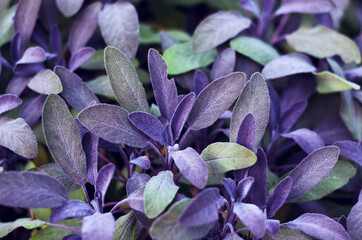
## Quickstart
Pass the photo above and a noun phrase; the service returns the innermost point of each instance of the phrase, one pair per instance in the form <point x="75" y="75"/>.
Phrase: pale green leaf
<point x="56" y="233"/>
<point x="96" y="62"/>
<point x="6" y="25"/>
<point x="101" y="86"/>
<point x="28" y="223"/>
<point x="46" y="82"/>
<point x="125" y="227"/>
<point x="328" y="82"/>
<point x="286" y="233"/>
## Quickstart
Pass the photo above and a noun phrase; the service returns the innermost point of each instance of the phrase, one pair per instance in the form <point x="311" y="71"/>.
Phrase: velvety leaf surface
<point x="69" y="7"/>
<point x="354" y="220"/>
<point x="259" y="172"/>
<point x="311" y="170"/>
<point x="181" y="114"/>
<point x="6" y="25"/>
<point x="104" y="178"/>
<point x="90" y="143"/>
<point x="80" y="57"/>
<point x="16" y="135"/>
<point x="252" y="216"/>
<point x="31" y="190"/>
<point x="279" y="196"/>
<point x="159" y="193"/>
<point x="32" y="55"/>
<point x="28" y="223"/>
<point x="322" y="42"/>
<point x="308" y="140"/>
<point x="351" y="150"/>
<point x="125" y="227"/>
<point x="119" y="27"/>
<point x="319" y="226"/>
<point x="222" y="157"/>
<point x="254" y="49"/>
<point x="253" y="99"/>
<point x="8" y="102"/>
<point x="246" y="133"/>
<point x="180" y="58"/>
<point x="218" y="28"/>
<point x="136" y="181"/>
<point x="224" y="64"/>
<point x="63" y="138"/>
<point x="230" y="186"/>
<point x="73" y="208"/>
<point x="127" y="88"/>
<point x="168" y="225"/>
<point x="337" y="178"/>
<point x="115" y="128"/>
<point x="46" y="82"/>
<point x="286" y="233"/>
<point x="98" y="226"/>
<point x="191" y="165"/>
<point x="243" y="187"/>
<point x="142" y="161"/>
<point x="203" y="209"/>
<point x="288" y="64"/>
<point x="306" y="6"/>
<point x="215" y="99"/>
<point x="328" y="82"/>
<point x="75" y="91"/>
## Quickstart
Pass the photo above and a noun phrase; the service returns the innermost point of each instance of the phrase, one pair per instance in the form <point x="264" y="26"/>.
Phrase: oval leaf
<point x="252" y="216"/>
<point x="305" y="6"/>
<point x="80" y="57"/>
<point x="98" y="226"/>
<point x="8" y="102"/>
<point x="104" y="178"/>
<point x="181" y="114"/>
<point x="69" y="7"/>
<point x="46" y="82"/>
<point x="308" y="140"/>
<point x="73" y="208"/>
<point x="328" y="82"/>
<point x="223" y="65"/>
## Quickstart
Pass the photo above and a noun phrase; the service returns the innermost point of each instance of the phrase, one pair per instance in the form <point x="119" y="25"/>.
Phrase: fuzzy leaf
<point x="80" y="57"/>
<point x="69" y="7"/>
<point x="252" y="216"/>
<point x="104" y="178"/>
<point x="305" y="6"/>
<point x="351" y="150"/>
<point x="279" y="196"/>
<point x="328" y="82"/>
<point x="354" y="220"/>
<point x="259" y="171"/>
<point x="73" y="208"/>
<point x="98" y="226"/>
<point x="308" y="140"/>
<point x="222" y="157"/>
<point x="218" y="28"/>
<point x="125" y="227"/>
<point x="127" y="87"/>
<point x="90" y="143"/>
<point x="181" y="114"/>
<point x="243" y="188"/>
<point x="286" y="233"/>
<point x="32" y="55"/>
<point x="46" y="82"/>
<point x="224" y="64"/>
<point x="142" y="161"/>
<point x="246" y="133"/>
<point x="28" y="223"/>
<point x="6" y="25"/>
<point x="9" y="102"/>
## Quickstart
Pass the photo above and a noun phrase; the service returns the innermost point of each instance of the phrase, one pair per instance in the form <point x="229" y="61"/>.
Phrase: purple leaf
<point x="259" y="171"/>
<point x="32" y="55"/>
<point x="104" y="178"/>
<point x="253" y="99"/>
<point x="351" y="150"/>
<point x="98" y="226"/>
<point x="84" y="27"/>
<point x="90" y="147"/>
<point x="167" y="40"/>
<point x="75" y="91"/>
<point x="230" y="186"/>
<point x="73" y="208"/>
<point x="215" y="99"/>
<point x="119" y="27"/>
<point x="319" y="226"/>
<point x="55" y="40"/>
<point x="69" y="7"/>
<point x="224" y="64"/>
<point x="308" y="140"/>
<point x="343" y="221"/>
<point x="165" y="90"/>
<point x="46" y="82"/>
<point x="80" y="57"/>
<point x="218" y="28"/>
<point x="191" y="165"/>
<point x="290" y="116"/>
<point x="31" y="190"/>
<point x="8" y="102"/>
<point x="243" y="187"/>
<point x="31" y="111"/>
<point x="274" y="107"/>
<point x="17" y="85"/>
<point x="311" y="170"/>
<point x="25" y="19"/>
<point x="49" y="14"/>
<point x="142" y="161"/>
<point x="354" y="220"/>
<point x="168" y="135"/>
<point x="15" y="47"/>
<point x="181" y="114"/>
<point x="252" y="216"/>
<point x="203" y="209"/>
<point x="149" y="125"/>
<point x="279" y="196"/>
<point x="305" y="6"/>
<point x="251" y="6"/>
<point x="63" y="138"/>
<point x="246" y="133"/>
<point x="200" y="81"/>
<point x="115" y="127"/>
<point x="272" y="225"/>
<point x="137" y="181"/>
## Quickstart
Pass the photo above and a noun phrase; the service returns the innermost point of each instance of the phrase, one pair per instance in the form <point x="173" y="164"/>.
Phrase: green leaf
<point x="222" y="157"/>
<point x="159" y="193"/>
<point x="180" y="58"/>
<point x="46" y="82"/>
<point x="351" y="114"/>
<point x="28" y="223"/>
<point x="125" y="227"/>
<point x="322" y="42"/>
<point x="96" y="62"/>
<point x="286" y="233"/>
<point x="149" y="36"/>
<point x="336" y="179"/>
<point x="124" y="80"/>
<point x="56" y="233"/>
<point x="101" y="86"/>
<point x="63" y="138"/>
<point x="6" y="25"/>
<point x="167" y="225"/>
<point x="255" y="49"/>
<point x="328" y="82"/>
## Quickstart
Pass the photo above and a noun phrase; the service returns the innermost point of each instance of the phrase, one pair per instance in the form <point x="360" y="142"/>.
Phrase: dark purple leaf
<point x="165" y="90"/>
<point x="191" y="165"/>
<point x="149" y="125"/>
<point x="215" y="99"/>
<point x="252" y="216"/>
<point x="200" y="81"/>
<point x="28" y="69"/>
<point x="343" y="221"/>
<point x="84" y="27"/>
<point x="72" y="236"/>
<point x="259" y="171"/>
<point x="181" y="114"/>
<point x="104" y="178"/>
<point x="319" y="226"/>
<point x="305" y="6"/>
<point x="49" y="14"/>
<point x="90" y="147"/>
<point x="75" y="91"/>
<point x="15" y="47"/>
<point x="279" y="196"/>
<point x="111" y="123"/>
<point x="272" y="225"/>
<point x="69" y="7"/>
<point x="308" y="140"/>
<point x="168" y="136"/>
<point x="351" y="150"/>
<point x="224" y="64"/>
<point x="354" y="220"/>
<point x="332" y="129"/>
<point x="73" y="208"/>
<point x="142" y="161"/>
<point x="31" y="190"/>
<point x="98" y="226"/>
<point x="251" y="6"/>
<point x="63" y="138"/>
<point x="17" y="85"/>
<point x="230" y="186"/>
<point x="55" y="40"/>
<point x="246" y="133"/>
<point x="203" y="209"/>
<point x="137" y="181"/>
<point x="8" y="102"/>
<point x="32" y="55"/>
<point x="274" y="107"/>
<point x="80" y="57"/>
<point x="243" y="187"/>
<point x="311" y="170"/>
<point x="291" y="115"/>
<point x="31" y="111"/>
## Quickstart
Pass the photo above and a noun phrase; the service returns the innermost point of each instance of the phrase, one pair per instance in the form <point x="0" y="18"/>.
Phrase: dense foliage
<point x="248" y="126"/>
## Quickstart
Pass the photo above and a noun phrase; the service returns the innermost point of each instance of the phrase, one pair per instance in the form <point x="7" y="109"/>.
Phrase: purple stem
<point x="65" y="227"/>
<point x="279" y="29"/>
